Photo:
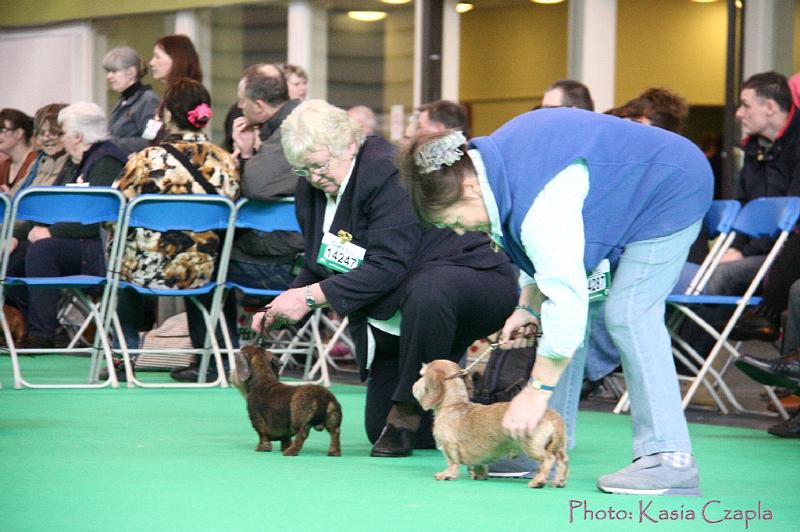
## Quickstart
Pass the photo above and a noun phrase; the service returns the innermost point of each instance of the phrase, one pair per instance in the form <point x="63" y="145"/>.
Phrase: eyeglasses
<point x="55" y="133"/>
<point x="319" y="169"/>
<point x="7" y="129"/>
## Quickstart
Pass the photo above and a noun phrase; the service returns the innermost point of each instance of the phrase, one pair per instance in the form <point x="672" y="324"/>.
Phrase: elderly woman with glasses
<point x="412" y="294"/>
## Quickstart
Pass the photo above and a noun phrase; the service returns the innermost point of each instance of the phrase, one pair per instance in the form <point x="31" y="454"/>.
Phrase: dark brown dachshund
<point x="278" y="411"/>
<point x="16" y="322"/>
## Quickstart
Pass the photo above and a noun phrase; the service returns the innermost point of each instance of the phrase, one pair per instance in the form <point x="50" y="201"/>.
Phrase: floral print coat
<point x="175" y="259"/>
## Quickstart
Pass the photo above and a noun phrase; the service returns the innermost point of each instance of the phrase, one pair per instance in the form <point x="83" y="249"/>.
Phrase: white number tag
<point x="599" y="281"/>
<point x="151" y="129"/>
<point x="339" y="256"/>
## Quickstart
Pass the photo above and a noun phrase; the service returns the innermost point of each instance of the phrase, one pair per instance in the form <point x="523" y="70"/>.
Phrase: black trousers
<point x="447" y="307"/>
<point x="51" y="257"/>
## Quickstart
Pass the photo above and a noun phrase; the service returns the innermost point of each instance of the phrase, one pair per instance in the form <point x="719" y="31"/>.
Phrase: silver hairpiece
<point x="443" y="151"/>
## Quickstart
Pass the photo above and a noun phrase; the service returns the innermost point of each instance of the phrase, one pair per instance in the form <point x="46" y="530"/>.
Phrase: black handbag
<point x="506" y="373"/>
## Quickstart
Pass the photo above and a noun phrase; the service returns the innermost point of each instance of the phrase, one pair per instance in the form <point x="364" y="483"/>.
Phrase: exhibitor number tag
<point x="339" y="255"/>
<point x="599" y="281"/>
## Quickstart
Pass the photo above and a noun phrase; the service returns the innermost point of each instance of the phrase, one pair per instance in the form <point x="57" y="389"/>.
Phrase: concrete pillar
<point x="307" y="44"/>
<point x="768" y="30"/>
<point x="451" y="48"/>
<point x="593" y="48"/>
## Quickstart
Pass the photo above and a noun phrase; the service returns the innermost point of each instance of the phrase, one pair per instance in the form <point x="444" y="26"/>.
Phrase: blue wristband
<point x="529" y="309"/>
<point x="536" y="384"/>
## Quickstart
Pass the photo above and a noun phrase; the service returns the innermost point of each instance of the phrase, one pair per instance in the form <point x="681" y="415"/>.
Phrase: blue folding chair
<point x="773" y="217"/>
<point x="190" y="212"/>
<point x="49" y="205"/>
<point x="279" y="215"/>
<point x="5" y="214"/>
<point x="718" y="223"/>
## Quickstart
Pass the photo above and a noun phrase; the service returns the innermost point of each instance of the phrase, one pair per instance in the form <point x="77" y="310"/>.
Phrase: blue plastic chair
<point x="279" y="215"/>
<point x="189" y="212"/>
<point x="5" y="214"/>
<point x="773" y="217"/>
<point x="718" y="223"/>
<point x="49" y="205"/>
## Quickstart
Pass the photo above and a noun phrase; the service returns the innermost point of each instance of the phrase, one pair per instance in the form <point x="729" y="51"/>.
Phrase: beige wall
<point x="35" y="12"/>
<point x="508" y="57"/>
<point x="796" y="46"/>
<point x="676" y="44"/>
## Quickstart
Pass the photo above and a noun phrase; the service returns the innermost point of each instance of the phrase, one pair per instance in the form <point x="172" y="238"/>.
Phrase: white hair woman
<point x="412" y="294"/>
<point x="66" y="248"/>
<point x="137" y="103"/>
<point x="568" y="193"/>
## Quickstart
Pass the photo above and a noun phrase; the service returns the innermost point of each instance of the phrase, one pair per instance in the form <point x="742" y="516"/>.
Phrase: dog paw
<point x="291" y="452"/>
<point x="336" y="452"/>
<point x="263" y="448"/>
<point x="537" y="483"/>
<point x="445" y="475"/>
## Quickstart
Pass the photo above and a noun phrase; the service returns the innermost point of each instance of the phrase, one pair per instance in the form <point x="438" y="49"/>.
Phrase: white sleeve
<point x="553" y="237"/>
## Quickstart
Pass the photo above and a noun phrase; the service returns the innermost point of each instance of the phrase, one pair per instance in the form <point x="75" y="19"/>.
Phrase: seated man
<point x="771" y="168"/>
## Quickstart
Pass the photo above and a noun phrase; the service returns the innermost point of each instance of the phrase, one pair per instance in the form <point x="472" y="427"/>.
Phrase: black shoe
<point x="394" y="442"/>
<point x="191" y="373"/>
<point x="758" y="323"/>
<point x="787" y="429"/>
<point x="784" y="371"/>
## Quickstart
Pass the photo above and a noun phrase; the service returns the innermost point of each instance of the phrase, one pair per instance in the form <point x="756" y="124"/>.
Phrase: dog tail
<point x="333" y="415"/>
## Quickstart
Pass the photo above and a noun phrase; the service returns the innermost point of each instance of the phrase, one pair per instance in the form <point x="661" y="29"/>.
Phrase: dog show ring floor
<point x="164" y="459"/>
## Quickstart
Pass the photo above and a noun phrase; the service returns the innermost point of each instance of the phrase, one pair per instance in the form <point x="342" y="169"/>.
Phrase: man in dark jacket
<point x="771" y="124"/>
<point x="259" y="259"/>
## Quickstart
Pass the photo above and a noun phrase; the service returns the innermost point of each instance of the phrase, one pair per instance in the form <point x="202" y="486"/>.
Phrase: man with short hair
<point x="771" y="125"/>
<point x="440" y="115"/>
<point x="259" y="259"/>
<point x="567" y="93"/>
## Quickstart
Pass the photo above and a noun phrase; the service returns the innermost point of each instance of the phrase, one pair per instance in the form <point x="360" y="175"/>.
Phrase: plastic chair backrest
<point x="720" y="216"/>
<point x="85" y="205"/>
<point x="267" y="215"/>
<point x="768" y="216"/>
<point x="186" y="212"/>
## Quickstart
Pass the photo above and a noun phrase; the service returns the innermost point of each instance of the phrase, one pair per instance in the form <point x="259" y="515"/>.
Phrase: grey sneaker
<point x="650" y="475"/>
<point x="517" y="467"/>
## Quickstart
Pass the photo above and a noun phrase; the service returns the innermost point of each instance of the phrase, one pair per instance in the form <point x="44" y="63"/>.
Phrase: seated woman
<point x="412" y="294"/>
<point x="184" y="163"/>
<point x="137" y="103"/>
<point x="65" y="248"/>
<point x="51" y="155"/>
<point x="16" y="130"/>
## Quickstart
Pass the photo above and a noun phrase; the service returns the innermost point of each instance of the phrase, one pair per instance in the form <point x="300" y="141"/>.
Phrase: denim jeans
<point x="634" y="312"/>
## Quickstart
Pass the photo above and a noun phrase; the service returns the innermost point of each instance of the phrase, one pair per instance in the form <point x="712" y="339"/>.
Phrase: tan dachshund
<point x="472" y="434"/>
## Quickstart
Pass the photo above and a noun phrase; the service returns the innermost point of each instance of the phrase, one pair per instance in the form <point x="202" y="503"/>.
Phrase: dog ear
<point x="434" y="390"/>
<point x="242" y="367"/>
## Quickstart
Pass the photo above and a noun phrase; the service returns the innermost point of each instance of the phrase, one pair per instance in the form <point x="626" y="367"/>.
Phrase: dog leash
<point x="492" y="347"/>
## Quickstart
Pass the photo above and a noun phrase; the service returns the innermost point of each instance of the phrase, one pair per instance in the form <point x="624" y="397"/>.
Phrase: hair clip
<point x="200" y="115"/>
<point x="444" y="151"/>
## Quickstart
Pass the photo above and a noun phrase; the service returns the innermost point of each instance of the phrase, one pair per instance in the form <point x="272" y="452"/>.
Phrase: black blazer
<point x="377" y="210"/>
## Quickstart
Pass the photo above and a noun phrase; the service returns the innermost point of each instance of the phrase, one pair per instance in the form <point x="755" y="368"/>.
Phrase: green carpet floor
<point x="136" y="459"/>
